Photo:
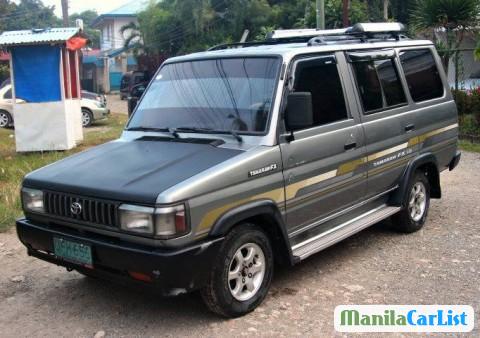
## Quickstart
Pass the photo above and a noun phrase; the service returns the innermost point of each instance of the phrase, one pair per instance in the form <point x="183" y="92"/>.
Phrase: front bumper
<point x="100" y="113"/>
<point x="171" y="271"/>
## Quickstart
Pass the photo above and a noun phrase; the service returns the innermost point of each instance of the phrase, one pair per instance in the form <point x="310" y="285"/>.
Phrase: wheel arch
<point x="266" y="215"/>
<point x="427" y="163"/>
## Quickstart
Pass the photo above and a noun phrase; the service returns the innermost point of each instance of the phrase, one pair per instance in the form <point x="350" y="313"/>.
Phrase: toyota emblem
<point x="76" y="208"/>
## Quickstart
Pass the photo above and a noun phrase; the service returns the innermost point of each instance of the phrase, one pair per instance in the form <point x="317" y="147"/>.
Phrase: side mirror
<point x="299" y="111"/>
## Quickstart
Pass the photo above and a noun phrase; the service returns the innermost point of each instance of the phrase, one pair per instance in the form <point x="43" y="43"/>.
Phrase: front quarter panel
<point x="255" y="175"/>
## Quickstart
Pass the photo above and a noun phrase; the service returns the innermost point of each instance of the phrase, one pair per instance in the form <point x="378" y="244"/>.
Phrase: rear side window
<point x="320" y="77"/>
<point x="8" y="94"/>
<point x="422" y="74"/>
<point x="379" y="84"/>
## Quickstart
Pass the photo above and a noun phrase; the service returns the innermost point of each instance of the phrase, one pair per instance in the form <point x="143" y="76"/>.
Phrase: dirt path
<point x="438" y="265"/>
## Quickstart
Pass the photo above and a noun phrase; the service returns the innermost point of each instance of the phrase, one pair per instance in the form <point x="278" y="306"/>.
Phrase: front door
<point x="323" y="164"/>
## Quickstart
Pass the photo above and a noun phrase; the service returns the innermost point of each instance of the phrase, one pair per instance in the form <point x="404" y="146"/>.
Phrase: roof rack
<point x="359" y="33"/>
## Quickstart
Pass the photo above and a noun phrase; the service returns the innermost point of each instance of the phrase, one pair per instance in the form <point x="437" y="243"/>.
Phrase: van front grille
<point x="85" y="210"/>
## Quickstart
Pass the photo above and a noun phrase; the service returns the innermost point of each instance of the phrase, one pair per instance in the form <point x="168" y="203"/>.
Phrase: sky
<point x="75" y="6"/>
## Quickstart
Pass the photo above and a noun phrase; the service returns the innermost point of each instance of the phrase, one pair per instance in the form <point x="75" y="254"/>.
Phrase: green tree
<point x="453" y="17"/>
<point x="6" y="11"/>
<point x="30" y="14"/>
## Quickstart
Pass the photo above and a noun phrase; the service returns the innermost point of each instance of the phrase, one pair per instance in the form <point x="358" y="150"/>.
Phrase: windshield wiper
<point x="147" y="129"/>
<point x="163" y="130"/>
<point x="235" y="134"/>
<point x="209" y="130"/>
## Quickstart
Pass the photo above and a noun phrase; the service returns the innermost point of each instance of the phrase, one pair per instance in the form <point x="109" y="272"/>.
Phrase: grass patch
<point x="469" y="146"/>
<point x="13" y="166"/>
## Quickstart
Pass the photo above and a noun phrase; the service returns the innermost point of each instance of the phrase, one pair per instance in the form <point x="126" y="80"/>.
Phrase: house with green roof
<point x="114" y="59"/>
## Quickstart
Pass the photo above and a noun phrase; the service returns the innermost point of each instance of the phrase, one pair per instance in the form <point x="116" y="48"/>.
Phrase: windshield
<point x="210" y="95"/>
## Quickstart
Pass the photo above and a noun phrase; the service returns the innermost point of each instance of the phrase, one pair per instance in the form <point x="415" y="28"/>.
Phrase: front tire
<point x="87" y="118"/>
<point x="241" y="274"/>
<point x="5" y="119"/>
<point x="415" y="206"/>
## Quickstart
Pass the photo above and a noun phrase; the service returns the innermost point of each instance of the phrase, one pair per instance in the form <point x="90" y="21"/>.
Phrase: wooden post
<point x="345" y="12"/>
<point x="65" y="13"/>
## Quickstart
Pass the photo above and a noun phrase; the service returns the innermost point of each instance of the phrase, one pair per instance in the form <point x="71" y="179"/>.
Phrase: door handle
<point x="351" y="145"/>
<point x="409" y="127"/>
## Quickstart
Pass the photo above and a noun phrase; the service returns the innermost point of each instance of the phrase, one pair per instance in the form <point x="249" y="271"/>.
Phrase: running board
<point x="335" y="235"/>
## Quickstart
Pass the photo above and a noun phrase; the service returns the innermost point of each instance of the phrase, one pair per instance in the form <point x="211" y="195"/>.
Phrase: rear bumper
<point x="171" y="271"/>
<point x="454" y="162"/>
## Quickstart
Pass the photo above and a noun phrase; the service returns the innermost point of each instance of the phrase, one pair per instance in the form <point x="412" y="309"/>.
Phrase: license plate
<point x="73" y="252"/>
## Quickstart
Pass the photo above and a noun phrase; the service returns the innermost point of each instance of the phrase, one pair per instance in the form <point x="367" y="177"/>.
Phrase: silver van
<point x="249" y="156"/>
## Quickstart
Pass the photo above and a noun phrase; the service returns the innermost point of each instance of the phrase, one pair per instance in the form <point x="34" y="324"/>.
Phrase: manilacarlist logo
<point x="404" y="318"/>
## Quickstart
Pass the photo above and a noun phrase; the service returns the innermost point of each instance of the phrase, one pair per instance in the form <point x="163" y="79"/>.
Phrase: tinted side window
<point x="8" y="94"/>
<point x="379" y="84"/>
<point x="323" y="82"/>
<point x="422" y="74"/>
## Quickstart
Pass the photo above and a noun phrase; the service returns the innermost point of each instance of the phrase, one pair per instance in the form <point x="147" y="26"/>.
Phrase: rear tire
<point x="241" y="274"/>
<point x="416" y="202"/>
<point x="87" y="118"/>
<point x="5" y="119"/>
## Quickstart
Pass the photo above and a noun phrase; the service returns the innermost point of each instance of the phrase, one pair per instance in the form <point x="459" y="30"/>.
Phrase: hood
<point x="135" y="171"/>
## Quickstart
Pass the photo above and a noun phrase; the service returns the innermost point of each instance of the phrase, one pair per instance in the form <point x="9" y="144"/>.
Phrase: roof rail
<point x="266" y="42"/>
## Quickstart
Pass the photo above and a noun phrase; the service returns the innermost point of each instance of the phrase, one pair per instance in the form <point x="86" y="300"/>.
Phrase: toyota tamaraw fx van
<point x="248" y="155"/>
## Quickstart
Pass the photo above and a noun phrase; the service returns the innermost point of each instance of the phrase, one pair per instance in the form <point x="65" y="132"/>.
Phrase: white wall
<point x="111" y="36"/>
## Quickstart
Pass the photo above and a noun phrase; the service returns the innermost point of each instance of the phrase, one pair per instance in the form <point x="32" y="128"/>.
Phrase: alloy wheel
<point x="4" y="120"/>
<point x="85" y="118"/>
<point x="246" y="271"/>
<point x="418" y="202"/>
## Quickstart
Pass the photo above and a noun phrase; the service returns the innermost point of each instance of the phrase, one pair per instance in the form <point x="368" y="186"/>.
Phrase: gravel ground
<point x="116" y="105"/>
<point x="438" y="265"/>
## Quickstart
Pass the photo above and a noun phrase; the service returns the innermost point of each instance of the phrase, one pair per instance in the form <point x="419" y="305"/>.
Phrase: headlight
<point x="136" y="219"/>
<point x="99" y="104"/>
<point x="170" y="221"/>
<point x="32" y="200"/>
<point x="165" y="222"/>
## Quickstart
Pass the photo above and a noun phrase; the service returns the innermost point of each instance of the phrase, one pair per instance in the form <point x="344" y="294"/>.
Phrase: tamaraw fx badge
<point x="263" y="170"/>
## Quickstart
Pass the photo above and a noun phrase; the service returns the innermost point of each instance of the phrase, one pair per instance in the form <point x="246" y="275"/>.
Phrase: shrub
<point x="468" y="102"/>
<point x="469" y="125"/>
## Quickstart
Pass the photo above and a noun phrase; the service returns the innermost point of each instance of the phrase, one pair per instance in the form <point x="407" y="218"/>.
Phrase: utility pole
<point x="320" y="14"/>
<point x="345" y="12"/>
<point x="385" y="10"/>
<point x="65" y="13"/>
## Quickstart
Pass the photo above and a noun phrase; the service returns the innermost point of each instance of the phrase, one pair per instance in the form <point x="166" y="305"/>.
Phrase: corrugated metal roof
<point x="130" y="9"/>
<point x="37" y="36"/>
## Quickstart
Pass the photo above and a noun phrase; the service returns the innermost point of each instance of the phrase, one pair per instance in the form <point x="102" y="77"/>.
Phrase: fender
<point x="262" y="208"/>
<point x="435" y="191"/>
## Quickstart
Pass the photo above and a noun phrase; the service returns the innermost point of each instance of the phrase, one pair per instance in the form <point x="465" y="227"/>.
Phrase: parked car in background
<point x="94" y="96"/>
<point x="131" y="79"/>
<point x="135" y="95"/>
<point x="92" y="109"/>
<point x="6" y="107"/>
